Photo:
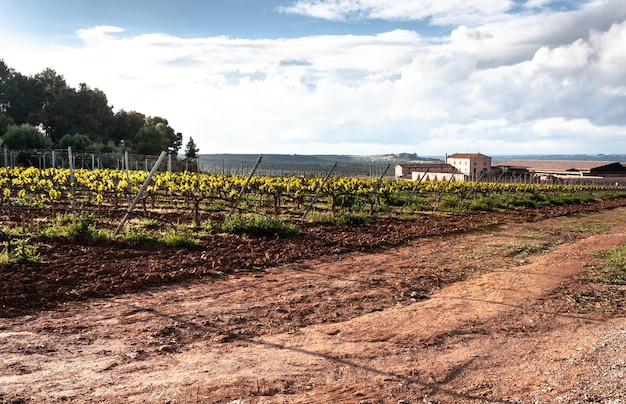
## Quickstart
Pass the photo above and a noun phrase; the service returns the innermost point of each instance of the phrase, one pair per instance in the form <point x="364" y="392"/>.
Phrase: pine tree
<point x="191" y="150"/>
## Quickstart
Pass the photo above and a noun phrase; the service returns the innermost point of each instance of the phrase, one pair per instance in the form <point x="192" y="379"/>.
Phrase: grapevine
<point x="108" y="188"/>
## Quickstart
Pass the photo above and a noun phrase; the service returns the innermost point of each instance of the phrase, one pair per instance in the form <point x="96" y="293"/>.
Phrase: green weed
<point x="322" y="218"/>
<point x="353" y="219"/>
<point x="63" y="226"/>
<point x="613" y="268"/>
<point x="85" y="227"/>
<point x="176" y="240"/>
<point x="19" y="252"/>
<point x="521" y="250"/>
<point x="28" y="202"/>
<point x="139" y="235"/>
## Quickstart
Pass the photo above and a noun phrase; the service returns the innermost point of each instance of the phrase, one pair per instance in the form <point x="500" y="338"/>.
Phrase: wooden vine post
<point x="370" y="197"/>
<point x="444" y="190"/>
<point x="408" y="200"/>
<point x="141" y="192"/>
<point x="319" y="189"/>
<point x="245" y="186"/>
<point x="72" y="183"/>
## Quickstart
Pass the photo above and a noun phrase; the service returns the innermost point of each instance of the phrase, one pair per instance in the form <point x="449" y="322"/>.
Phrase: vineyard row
<point x="106" y="188"/>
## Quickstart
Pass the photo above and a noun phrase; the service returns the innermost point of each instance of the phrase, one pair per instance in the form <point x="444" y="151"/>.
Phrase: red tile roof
<point x="432" y="168"/>
<point x="465" y="155"/>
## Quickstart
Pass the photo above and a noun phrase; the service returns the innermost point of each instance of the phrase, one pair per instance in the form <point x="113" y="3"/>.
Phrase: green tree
<point x="126" y="126"/>
<point x="25" y="137"/>
<point x="76" y="142"/>
<point x="5" y="122"/>
<point x="95" y="116"/>
<point x="157" y="136"/>
<point x="5" y="74"/>
<point x="45" y="100"/>
<point x="191" y="150"/>
<point x="23" y="98"/>
<point x="84" y="111"/>
<point x="53" y="87"/>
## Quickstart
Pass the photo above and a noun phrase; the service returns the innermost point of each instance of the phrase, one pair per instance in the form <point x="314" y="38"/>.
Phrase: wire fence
<point x="59" y="158"/>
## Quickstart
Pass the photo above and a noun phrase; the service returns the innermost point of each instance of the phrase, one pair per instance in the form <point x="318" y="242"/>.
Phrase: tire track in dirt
<point x="458" y="310"/>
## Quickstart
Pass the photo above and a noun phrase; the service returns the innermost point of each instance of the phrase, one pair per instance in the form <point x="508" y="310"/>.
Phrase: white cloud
<point x="549" y="83"/>
<point x="440" y="12"/>
<point x="98" y="33"/>
<point x="537" y="3"/>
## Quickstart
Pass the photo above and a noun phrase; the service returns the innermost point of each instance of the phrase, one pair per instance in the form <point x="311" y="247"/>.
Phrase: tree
<point x="5" y="122"/>
<point x="25" y="137"/>
<point x="191" y="150"/>
<point x="46" y="101"/>
<point x="76" y="142"/>
<point x="84" y="111"/>
<point x="23" y="98"/>
<point x="95" y="115"/>
<point x="157" y="136"/>
<point x="54" y="88"/>
<point x="5" y="75"/>
<point x="126" y="126"/>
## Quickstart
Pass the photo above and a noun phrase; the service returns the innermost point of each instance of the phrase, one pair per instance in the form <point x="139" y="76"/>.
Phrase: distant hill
<point x="391" y="158"/>
<point x="318" y="158"/>
<point x="356" y="166"/>
<point x="315" y="165"/>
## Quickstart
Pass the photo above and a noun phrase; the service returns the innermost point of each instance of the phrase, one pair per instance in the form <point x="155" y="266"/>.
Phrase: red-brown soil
<point x="442" y="308"/>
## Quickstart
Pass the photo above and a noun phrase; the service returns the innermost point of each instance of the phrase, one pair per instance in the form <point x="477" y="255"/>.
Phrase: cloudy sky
<point x="345" y="76"/>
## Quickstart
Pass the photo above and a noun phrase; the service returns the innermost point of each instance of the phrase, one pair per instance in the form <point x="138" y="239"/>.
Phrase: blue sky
<point x="345" y="76"/>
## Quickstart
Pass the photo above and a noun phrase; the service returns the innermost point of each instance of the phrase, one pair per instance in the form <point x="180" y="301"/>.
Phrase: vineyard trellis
<point x="287" y="197"/>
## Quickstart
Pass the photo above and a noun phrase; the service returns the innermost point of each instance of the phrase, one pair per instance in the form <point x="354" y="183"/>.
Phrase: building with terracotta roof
<point x="428" y="172"/>
<point x="458" y="166"/>
<point x="472" y="165"/>
<point x="478" y="167"/>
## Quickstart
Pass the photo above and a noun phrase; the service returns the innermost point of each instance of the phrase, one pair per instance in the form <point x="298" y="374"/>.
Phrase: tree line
<point x="42" y="112"/>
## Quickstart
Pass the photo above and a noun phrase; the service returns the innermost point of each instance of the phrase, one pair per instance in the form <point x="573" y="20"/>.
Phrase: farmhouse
<point x="478" y="167"/>
<point x="458" y="167"/>
<point x="558" y="170"/>
<point x="473" y="165"/>
<point x="428" y="172"/>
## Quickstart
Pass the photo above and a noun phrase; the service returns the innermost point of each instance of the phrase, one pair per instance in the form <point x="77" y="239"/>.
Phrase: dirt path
<point x="358" y="329"/>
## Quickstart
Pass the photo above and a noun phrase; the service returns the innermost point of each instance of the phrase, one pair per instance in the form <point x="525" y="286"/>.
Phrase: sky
<point x="353" y="77"/>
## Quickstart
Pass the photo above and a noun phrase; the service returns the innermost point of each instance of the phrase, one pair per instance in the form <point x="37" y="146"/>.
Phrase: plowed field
<point x="442" y="308"/>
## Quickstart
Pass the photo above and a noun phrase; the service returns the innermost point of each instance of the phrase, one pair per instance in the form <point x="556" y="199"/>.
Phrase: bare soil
<point x="493" y="307"/>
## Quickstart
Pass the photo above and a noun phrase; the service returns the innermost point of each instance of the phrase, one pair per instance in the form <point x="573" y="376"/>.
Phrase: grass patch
<point x="322" y="218"/>
<point x="172" y="239"/>
<point x="63" y="226"/>
<point x="482" y="251"/>
<point x="522" y="250"/>
<point x="420" y="205"/>
<point x="19" y="253"/>
<point x="603" y="286"/>
<point x="609" y="301"/>
<point x="259" y="225"/>
<point x="586" y="224"/>
<point x="353" y="219"/>
<point x="85" y="227"/>
<point x="612" y="271"/>
<point x="176" y="240"/>
<point x="139" y="235"/>
<point x="449" y="202"/>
